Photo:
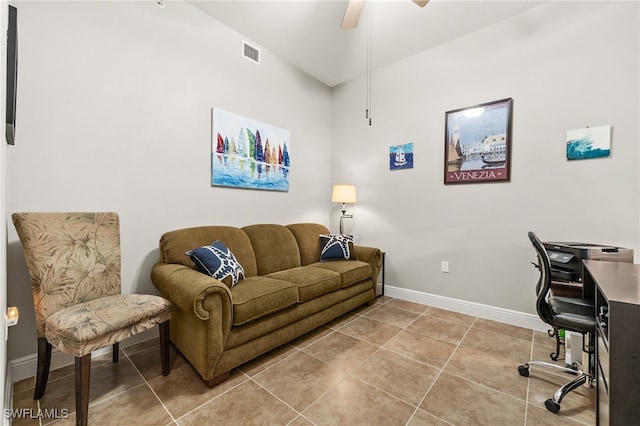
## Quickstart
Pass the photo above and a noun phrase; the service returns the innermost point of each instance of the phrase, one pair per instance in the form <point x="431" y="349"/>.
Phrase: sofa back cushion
<point x="174" y="245"/>
<point x="274" y="246"/>
<point x="308" y="237"/>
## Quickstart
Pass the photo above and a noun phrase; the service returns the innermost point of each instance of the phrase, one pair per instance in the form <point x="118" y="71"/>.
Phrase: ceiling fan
<point x="354" y="7"/>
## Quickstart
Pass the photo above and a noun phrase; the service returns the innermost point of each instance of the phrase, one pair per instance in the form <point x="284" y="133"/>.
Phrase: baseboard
<point x="508" y="316"/>
<point x="26" y="366"/>
<point x="8" y="394"/>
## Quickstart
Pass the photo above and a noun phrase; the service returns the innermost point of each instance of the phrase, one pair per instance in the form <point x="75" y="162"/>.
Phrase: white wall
<point x="567" y="65"/>
<point x="114" y="113"/>
<point x="3" y="230"/>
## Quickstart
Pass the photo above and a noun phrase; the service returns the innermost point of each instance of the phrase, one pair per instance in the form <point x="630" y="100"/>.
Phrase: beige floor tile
<point x="502" y="328"/>
<point x="422" y="418"/>
<point x="402" y="377"/>
<point x="439" y="328"/>
<point x="383" y="300"/>
<point x="421" y="348"/>
<point x="25" y="408"/>
<point x="371" y="331"/>
<point x="495" y="372"/>
<point x="141" y="346"/>
<point x="300" y="421"/>
<point x="353" y="402"/>
<point x="107" y="379"/>
<point x="463" y="402"/>
<point x="392" y="316"/>
<point x="183" y="390"/>
<point x="311" y="337"/>
<point x="498" y="344"/>
<point x="299" y="380"/>
<point x="418" y="308"/>
<point x="340" y="322"/>
<point x="451" y="316"/>
<point x="274" y="356"/>
<point x="137" y="406"/>
<point x="537" y="416"/>
<point x="58" y="373"/>
<point x="24" y="384"/>
<point x="341" y="351"/>
<point x="243" y="405"/>
<point x="149" y="364"/>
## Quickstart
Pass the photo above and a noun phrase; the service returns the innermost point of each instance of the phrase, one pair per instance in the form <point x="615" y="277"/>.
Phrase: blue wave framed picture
<point x="592" y="142"/>
<point x="247" y="153"/>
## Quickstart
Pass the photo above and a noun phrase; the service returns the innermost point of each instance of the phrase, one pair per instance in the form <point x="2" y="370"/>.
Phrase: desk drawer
<point x="603" y="400"/>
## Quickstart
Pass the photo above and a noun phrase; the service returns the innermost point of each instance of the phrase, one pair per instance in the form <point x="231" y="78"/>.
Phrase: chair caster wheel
<point x="552" y="406"/>
<point x="523" y="370"/>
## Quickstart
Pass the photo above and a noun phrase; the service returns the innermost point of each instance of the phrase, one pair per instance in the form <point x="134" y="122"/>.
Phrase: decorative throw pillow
<point x="336" y="247"/>
<point x="216" y="260"/>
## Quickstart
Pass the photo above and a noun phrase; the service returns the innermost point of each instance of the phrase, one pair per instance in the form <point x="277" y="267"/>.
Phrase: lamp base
<point x="344" y="216"/>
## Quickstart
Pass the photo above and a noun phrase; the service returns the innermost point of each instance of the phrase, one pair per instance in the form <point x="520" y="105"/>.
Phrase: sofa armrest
<point x="189" y="289"/>
<point x="373" y="256"/>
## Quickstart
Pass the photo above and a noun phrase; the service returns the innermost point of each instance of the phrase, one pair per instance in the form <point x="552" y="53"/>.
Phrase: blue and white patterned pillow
<point x="336" y="247"/>
<point x="216" y="260"/>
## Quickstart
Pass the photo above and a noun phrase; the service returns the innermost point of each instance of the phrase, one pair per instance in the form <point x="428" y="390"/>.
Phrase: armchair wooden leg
<point x="83" y="370"/>
<point x="164" y="348"/>
<point x="116" y="351"/>
<point x="44" y="362"/>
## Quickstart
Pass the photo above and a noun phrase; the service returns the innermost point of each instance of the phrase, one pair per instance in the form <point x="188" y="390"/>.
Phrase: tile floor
<point x="393" y="363"/>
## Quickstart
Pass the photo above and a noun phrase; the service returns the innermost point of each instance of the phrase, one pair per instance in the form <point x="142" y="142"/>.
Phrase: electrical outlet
<point x="445" y="266"/>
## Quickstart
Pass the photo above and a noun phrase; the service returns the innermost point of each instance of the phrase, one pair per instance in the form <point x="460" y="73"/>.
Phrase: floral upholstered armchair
<point x="74" y="264"/>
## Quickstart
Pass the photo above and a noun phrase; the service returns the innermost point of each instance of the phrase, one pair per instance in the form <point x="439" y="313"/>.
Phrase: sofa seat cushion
<point x="351" y="271"/>
<point x="311" y="282"/>
<point x="258" y="296"/>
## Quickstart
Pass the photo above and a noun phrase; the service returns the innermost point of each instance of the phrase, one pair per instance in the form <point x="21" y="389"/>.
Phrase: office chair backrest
<point x="544" y="282"/>
<point x="71" y="257"/>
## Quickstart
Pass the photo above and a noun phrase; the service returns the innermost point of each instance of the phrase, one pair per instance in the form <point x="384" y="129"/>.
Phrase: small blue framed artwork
<point x="592" y="142"/>
<point x="401" y="156"/>
<point x="246" y="153"/>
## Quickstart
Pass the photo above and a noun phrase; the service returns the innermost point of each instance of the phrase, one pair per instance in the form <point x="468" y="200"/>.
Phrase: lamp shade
<point x="343" y="194"/>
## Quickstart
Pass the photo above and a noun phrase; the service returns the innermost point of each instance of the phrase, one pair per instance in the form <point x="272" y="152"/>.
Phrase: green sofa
<point x="286" y="292"/>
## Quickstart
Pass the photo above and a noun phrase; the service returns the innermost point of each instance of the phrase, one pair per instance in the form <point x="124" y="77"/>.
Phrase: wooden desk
<point x="616" y="287"/>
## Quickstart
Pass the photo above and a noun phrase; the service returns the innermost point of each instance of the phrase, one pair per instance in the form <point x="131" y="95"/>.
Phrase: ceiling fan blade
<point x="421" y="3"/>
<point x="352" y="14"/>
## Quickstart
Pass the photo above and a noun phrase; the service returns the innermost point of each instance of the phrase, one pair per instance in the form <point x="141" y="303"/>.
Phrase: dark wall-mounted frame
<point x="477" y="144"/>
<point x="12" y="74"/>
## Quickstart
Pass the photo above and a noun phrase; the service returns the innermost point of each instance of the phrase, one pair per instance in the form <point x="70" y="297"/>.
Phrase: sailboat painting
<point x="594" y="142"/>
<point x="246" y="153"/>
<point x="401" y="156"/>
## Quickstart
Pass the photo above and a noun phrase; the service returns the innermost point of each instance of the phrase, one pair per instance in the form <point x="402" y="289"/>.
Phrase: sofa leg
<point x="371" y="302"/>
<point x="218" y="379"/>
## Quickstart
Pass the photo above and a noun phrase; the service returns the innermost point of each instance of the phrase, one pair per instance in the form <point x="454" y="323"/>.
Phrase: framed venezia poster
<point x="478" y="143"/>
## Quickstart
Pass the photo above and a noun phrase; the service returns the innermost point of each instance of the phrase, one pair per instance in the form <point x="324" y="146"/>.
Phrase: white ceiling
<point x="307" y="33"/>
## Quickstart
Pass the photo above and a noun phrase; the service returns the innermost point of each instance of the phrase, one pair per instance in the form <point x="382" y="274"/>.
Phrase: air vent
<point x="250" y="52"/>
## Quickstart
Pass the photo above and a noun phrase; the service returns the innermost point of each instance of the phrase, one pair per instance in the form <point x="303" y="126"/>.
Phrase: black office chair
<point x="566" y="313"/>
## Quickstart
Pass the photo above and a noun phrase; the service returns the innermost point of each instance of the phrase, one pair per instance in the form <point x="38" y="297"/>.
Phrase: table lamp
<point x="344" y="194"/>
